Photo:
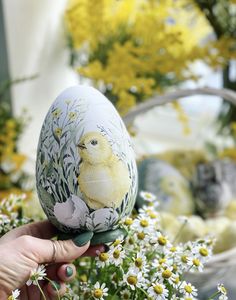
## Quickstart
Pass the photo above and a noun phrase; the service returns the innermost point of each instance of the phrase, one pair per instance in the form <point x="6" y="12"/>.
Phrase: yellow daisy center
<point x="116" y="243"/>
<point x="103" y="256"/>
<point x="176" y="281"/>
<point x="162" y="240"/>
<point x="132" y="280"/>
<point x="223" y="290"/>
<point x="98" y="293"/>
<point x="184" y="259"/>
<point x="196" y="262"/>
<point x="138" y="262"/>
<point x="141" y="235"/>
<point x="152" y="215"/>
<point x="128" y="221"/>
<point x="166" y="274"/>
<point x="162" y="261"/>
<point x="203" y="252"/>
<point x="158" y="289"/>
<point x="175" y="267"/>
<point x="144" y="223"/>
<point x="116" y="253"/>
<point x="188" y="289"/>
<point x="131" y="241"/>
<point x="148" y="196"/>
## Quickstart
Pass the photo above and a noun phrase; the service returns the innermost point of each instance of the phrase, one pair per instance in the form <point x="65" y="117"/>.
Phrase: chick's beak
<point x="82" y="146"/>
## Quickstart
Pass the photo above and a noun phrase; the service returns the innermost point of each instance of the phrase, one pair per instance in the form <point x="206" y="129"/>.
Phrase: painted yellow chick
<point x="104" y="178"/>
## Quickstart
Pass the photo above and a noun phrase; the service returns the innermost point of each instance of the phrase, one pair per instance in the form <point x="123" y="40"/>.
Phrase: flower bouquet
<point x="146" y="265"/>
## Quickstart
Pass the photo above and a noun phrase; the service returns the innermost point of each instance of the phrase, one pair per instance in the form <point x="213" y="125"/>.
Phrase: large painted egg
<point x="86" y="173"/>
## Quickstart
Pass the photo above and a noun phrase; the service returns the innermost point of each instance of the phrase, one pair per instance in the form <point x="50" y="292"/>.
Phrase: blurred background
<point x="131" y="51"/>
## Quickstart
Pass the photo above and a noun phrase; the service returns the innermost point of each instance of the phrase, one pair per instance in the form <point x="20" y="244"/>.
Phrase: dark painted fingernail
<point x="55" y="285"/>
<point x="83" y="238"/>
<point x="69" y="271"/>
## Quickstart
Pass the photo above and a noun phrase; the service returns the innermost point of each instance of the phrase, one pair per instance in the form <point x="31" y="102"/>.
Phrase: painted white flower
<point x="100" y="291"/>
<point x="147" y="196"/>
<point x="36" y="275"/>
<point x="223" y="292"/>
<point x="158" y="291"/>
<point x="188" y="290"/>
<point x="134" y="279"/>
<point x="74" y="213"/>
<point x="14" y="295"/>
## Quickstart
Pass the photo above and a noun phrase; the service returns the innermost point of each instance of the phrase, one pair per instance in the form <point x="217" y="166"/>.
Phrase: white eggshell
<point x="86" y="173"/>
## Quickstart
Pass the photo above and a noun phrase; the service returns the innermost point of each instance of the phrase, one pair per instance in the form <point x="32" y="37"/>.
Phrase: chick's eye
<point x="94" y="142"/>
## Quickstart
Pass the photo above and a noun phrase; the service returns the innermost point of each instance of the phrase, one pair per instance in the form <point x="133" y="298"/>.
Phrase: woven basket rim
<point x="226" y="258"/>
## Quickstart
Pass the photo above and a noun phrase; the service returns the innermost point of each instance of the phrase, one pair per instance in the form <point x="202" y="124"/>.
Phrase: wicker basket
<point x="219" y="264"/>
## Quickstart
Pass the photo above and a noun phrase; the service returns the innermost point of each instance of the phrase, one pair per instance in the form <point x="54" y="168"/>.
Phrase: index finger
<point x="41" y="229"/>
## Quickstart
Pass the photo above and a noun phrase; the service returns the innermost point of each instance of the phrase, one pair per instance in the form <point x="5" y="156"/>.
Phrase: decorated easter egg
<point x="167" y="184"/>
<point x="86" y="174"/>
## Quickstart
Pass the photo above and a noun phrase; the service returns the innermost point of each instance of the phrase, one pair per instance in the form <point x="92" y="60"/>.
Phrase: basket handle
<point x="157" y="100"/>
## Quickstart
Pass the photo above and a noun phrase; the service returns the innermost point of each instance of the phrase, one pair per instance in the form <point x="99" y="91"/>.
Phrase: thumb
<point x="47" y="251"/>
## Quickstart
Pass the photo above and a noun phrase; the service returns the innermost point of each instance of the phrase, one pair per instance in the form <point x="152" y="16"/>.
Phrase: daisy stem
<point x="117" y="291"/>
<point x="214" y="295"/>
<point x="179" y="232"/>
<point x="40" y="289"/>
<point x="145" y="293"/>
<point x="53" y="284"/>
<point x="134" y="294"/>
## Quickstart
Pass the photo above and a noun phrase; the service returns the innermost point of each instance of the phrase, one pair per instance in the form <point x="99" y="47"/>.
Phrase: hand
<point x="23" y="249"/>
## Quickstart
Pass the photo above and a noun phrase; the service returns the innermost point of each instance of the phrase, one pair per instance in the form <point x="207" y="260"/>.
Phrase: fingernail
<point x="69" y="271"/>
<point x="55" y="285"/>
<point x="83" y="238"/>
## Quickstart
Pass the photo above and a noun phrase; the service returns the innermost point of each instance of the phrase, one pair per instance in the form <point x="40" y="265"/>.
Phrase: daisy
<point x="158" y="291"/>
<point x="99" y="291"/>
<point x="126" y="295"/>
<point x="203" y="252"/>
<point x="175" y="281"/>
<point x="36" y="275"/>
<point x="14" y="296"/>
<point x="160" y="241"/>
<point x="102" y="259"/>
<point x="195" y="264"/>
<point x="142" y="223"/>
<point x="147" y="196"/>
<point x="188" y="290"/>
<point x="223" y="292"/>
<point x="116" y="256"/>
<point x="134" y="278"/>
<point x="140" y="262"/>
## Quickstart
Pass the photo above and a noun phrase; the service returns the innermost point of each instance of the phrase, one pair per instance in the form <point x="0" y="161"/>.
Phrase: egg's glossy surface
<point x="85" y="170"/>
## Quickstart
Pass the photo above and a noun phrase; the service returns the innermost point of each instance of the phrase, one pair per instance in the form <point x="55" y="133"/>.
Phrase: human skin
<point x="23" y="249"/>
